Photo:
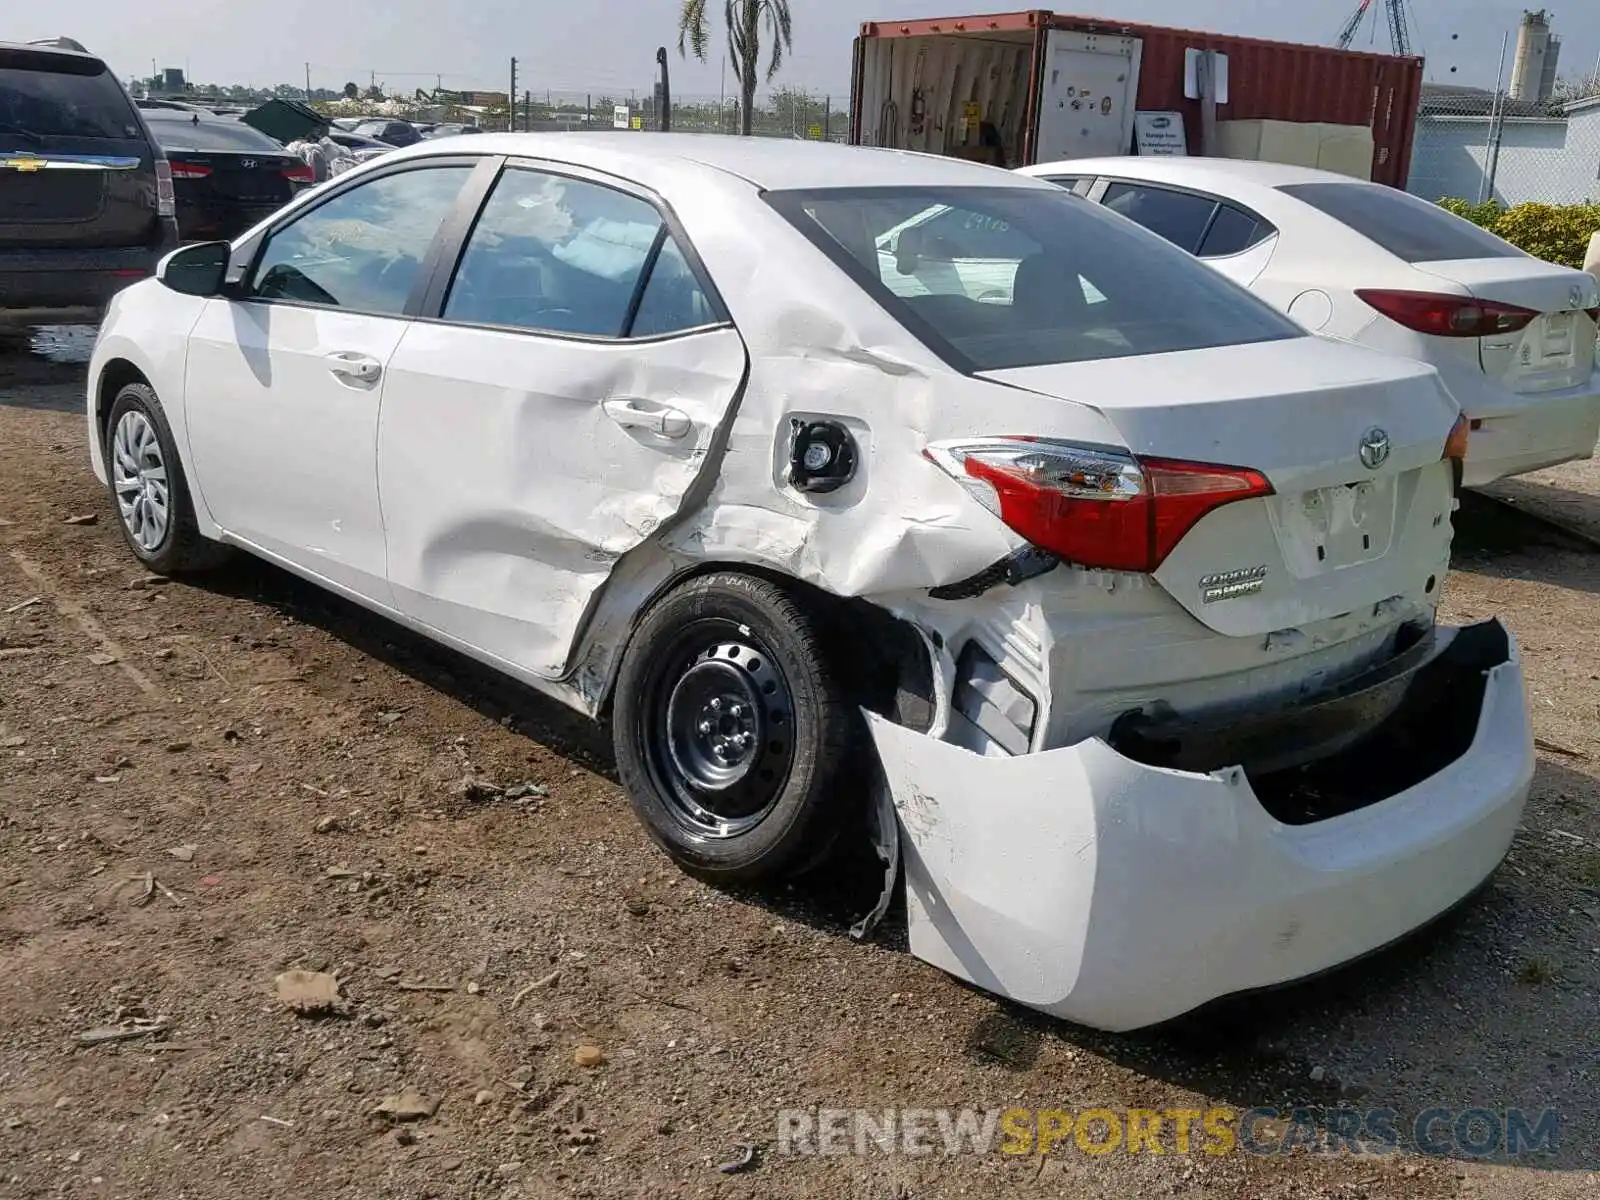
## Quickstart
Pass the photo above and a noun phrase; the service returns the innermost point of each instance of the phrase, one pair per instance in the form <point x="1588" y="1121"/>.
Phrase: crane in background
<point x="1399" y="25"/>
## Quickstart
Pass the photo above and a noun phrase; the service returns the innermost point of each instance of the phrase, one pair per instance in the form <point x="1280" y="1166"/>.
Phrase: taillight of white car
<point x="1447" y="316"/>
<point x="1090" y="505"/>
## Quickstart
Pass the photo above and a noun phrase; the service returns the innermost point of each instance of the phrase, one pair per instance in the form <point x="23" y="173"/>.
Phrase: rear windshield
<point x="176" y="131"/>
<point x="1407" y="227"/>
<point x="58" y="95"/>
<point x="997" y="277"/>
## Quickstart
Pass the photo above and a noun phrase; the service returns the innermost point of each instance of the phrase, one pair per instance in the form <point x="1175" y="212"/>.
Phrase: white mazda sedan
<point x="1513" y="336"/>
<point x="1090" y="587"/>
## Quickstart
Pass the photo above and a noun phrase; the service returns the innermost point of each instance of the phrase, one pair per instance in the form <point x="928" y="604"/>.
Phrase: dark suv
<point x="86" y="203"/>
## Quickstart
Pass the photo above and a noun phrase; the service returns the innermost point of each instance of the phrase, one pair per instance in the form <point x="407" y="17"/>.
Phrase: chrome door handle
<point x="660" y="419"/>
<point x="350" y="365"/>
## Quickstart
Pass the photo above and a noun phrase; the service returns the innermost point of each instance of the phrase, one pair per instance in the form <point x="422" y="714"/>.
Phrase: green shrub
<point x="1558" y="233"/>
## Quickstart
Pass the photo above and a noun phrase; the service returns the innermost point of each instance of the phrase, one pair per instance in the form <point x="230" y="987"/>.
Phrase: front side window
<point x="559" y="255"/>
<point x="1056" y="280"/>
<point x="362" y="250"/>
<point x="1176" y="216"/>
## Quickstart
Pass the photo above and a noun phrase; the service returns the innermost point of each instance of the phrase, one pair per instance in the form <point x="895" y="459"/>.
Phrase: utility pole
<point x="511" y="99"/>
<point x="308" y="81"/>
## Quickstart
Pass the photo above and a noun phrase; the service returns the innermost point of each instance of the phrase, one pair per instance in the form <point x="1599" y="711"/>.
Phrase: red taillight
<point x="300" y="174"/>
<point x="166" y="198"/>
<point x="1448" y="316"/>
<point x="1091" y="506"/>
<point x="183" y="170"/>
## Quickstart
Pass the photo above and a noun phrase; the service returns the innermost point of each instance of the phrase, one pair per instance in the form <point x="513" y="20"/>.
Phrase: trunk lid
<point x="1556" y="349"/>
<point x="1339" y="534"/>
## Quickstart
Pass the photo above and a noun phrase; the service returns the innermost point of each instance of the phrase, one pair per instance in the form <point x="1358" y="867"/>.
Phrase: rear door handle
<point x="660" y="419"/>
<point x="351" y="365"/>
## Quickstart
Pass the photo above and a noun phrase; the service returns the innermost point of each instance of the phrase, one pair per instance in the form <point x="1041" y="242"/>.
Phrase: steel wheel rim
<point x="720" y="771"/>
<point x="139" y="480"/>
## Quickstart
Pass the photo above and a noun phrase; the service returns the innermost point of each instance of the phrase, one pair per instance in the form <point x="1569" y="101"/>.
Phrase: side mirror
<point x="196" y="270"/>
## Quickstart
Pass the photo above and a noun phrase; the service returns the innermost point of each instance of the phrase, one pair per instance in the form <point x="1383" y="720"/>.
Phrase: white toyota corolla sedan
<point x="1094" y="576"/>
<point x="1513" y="336"/>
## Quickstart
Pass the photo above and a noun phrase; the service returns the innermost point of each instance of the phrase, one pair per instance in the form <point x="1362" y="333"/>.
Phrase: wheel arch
<point x="883" y="658"/>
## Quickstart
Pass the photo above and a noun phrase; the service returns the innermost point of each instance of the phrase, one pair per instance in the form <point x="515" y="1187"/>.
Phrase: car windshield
<point x="996" y="277"/>
<point x="177" y="131"/>
<point x="60" y="95"/>
<point x="1406" y="226"/>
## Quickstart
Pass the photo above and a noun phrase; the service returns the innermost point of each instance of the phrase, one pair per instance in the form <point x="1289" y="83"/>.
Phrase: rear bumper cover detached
<point x="1118" y="894"/>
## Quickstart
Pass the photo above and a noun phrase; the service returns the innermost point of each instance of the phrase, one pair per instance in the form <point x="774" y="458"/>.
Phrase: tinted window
<point x="54" y="95"/>
<point x="1232" y="231"/>
<point x="1176" y="216"/>
<point x="1014" y="311"/>
<point x="363" y="249"/>
<point x="1080" y="184"/>
<point x="180" y="132"/>
<point x="672" y="299"/>
<point x="1409" y="228"/>
<point x="555" y="254"/>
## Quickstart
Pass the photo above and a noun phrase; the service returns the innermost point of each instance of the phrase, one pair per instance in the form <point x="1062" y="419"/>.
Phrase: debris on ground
<point x="131" y="1030"/>
<point x="744" y="1158"/>
<point x="329" y="824"/>
<point x="543" y="981"/>
<point x="588" y="1056"/>
<point x="185" y="852"/>
<point x="28" y="603"/>
<point x="526" y="791"/>
<point x="101" y="659"/>
<point x="83" y="519"/>
<point x="476" y="790"/>
<point x="406" y="1105"/>
<point x="308" y="992"/>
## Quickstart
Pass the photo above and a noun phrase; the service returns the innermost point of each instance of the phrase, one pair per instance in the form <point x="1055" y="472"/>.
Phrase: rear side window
<point x="1232" y="231"/>
<point x="1079" y="185"/>
<point x="58" y="95"/>
<point x="1176" y="216"/>
<point x="1409" y="228"/>
<point x="560" y="255"/>
<point x="185" y="133"/>
<point x="1015" y="304"/>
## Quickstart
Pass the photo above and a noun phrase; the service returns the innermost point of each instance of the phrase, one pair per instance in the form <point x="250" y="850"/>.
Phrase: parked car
<point x="1132" y="603"/>
<point x="1514" y="335"/>
<point x="86" y="201"/>
<point x="227" y="176"/>
<point x="359" y="145"/>
<point x="395" y="133"/>
<point x="449" y="129"/>
<point x="348" y="122"/>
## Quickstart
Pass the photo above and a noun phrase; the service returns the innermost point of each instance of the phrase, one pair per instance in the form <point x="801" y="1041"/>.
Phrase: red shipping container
<point x="996" y="65"/>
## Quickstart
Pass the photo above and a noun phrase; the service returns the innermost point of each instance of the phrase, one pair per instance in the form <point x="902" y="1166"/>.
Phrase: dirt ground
<point x="204" y="785"/>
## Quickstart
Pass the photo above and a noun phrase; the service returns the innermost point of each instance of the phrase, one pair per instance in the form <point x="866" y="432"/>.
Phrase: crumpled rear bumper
<point x="1093" y="887"/>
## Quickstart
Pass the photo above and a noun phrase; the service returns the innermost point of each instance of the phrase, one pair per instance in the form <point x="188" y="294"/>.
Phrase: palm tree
<point x="746" y="19"/>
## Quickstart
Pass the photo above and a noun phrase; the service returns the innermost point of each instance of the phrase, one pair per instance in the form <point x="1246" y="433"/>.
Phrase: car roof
<point x="1212" y="173"/>
<point x="768" y="163"/>
<point x="51" y="48"/>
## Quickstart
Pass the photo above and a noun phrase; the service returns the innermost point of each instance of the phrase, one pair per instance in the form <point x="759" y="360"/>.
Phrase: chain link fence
<point x="1479" y="146"/>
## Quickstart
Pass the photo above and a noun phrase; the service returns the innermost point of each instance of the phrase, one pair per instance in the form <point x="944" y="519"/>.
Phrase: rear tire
<point x="147" y="485"/>
<point x="734" y="738"/>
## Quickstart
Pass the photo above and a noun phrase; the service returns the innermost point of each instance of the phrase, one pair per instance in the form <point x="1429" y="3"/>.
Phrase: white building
<point x="1547" y="154"/>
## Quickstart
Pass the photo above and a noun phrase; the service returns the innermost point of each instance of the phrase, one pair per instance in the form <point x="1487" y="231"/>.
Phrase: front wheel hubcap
<point x="728" y="720"/>
<point x="139" y="479"/>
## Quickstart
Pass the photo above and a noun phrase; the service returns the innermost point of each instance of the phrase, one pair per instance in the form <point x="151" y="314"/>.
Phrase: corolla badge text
<point x="1230" y="585"/>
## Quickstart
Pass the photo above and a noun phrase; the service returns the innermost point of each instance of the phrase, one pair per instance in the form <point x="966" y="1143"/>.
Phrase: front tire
<point x="733" y="736"/>
<point x="145" y="477"/>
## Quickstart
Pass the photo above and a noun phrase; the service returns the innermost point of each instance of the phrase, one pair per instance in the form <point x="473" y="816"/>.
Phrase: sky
<point x="611" y="47"/>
